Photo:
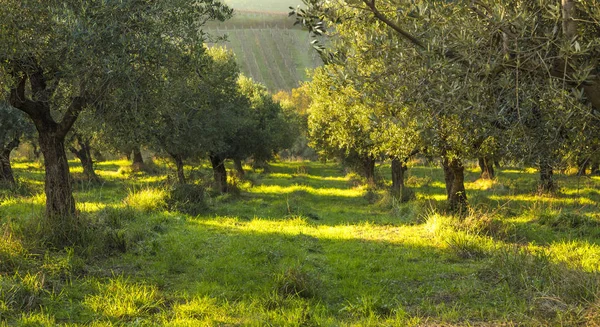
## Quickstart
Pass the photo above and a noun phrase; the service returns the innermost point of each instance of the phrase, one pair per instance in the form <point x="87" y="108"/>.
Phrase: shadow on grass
<point x="257" y="267"/>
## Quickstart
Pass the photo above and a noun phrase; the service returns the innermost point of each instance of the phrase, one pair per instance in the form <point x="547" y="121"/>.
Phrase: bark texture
<point x="179" y="164"/>
<point x="368" y="168"/>
<point x="547" y="184"/>
<point x="219" y="172"/>
<point x="455" y="184"/>
<point x="138" y="161"/>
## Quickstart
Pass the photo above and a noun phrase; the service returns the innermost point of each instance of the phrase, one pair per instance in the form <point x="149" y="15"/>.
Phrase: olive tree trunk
<point x="455" y="184"/>
<point x="398" y="170"/>
<point x="239" y="168"/>
<point x="179" y="164"/>
<point x="61" y="218"/>
<point x="6" y="172"/>
<point x="486" y="165"/>
<point x="59" y="191"/>
<point x="368" y="169"/>
<point x="84" y="154"/>
<point x="547" y="183"/>
<point x="138" y="161"/>
<point x="219" y="172"/>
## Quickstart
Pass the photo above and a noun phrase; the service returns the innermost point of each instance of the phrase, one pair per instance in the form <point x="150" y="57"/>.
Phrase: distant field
<point x="269" y="48"/>
<point x="264" y="5"/>
<point x="275" y="57"/>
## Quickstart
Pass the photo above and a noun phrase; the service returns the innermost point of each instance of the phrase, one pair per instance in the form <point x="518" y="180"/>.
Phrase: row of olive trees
<point x="458" y="80"/>
<point x="127" y="73"/>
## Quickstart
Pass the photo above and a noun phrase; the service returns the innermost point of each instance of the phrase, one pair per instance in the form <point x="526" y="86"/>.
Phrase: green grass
<point x="305" y="245"/>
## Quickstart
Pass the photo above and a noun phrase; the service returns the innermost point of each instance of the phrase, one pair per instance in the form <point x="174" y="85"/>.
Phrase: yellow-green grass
<point x="305" y="245"/>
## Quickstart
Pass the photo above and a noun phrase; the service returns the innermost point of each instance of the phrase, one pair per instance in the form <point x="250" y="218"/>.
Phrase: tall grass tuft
<point x="21" y="293"/>
<point x="147" y="200"/>
<point x="12" y="251"/>
<point x="295" y="281"/>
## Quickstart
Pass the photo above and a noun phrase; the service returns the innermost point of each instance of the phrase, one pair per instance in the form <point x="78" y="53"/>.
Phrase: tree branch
<point x="71" y="115"/>
<point x="384" y="19"/>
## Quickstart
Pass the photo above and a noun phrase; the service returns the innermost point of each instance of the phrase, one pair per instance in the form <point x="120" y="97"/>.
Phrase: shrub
<point x="465" y="246"/>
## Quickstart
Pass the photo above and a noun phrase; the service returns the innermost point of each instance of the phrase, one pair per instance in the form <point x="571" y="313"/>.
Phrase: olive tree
<point x="60" y="58"/>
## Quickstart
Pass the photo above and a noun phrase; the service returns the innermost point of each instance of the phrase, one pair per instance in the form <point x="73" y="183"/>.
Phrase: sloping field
<point x="276" y="57"/>
<point x="264" y="5"/>
<point x="269" y="48"/>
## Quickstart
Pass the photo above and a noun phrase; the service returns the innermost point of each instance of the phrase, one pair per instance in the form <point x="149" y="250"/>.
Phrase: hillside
<point x="269" y="48"/>
<point x="264" y="5"/>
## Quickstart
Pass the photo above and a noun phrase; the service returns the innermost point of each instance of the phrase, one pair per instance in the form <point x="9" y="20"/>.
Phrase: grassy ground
<point x="305" y="245"/>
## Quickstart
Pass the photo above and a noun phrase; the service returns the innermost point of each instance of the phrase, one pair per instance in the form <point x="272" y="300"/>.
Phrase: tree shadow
<point x="354" y="273"/>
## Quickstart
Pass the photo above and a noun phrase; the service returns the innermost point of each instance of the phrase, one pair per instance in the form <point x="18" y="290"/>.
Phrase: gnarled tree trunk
<point x="219" y="172"/>
<point x="59" y="191"/>
<point x="84" y="154"/>
<point x="368" y="168"/>
<point x="60" y="204"/>
<point x="448" y="175"/>
<point x="455" y="184"/>
<point x="487" y="168"/>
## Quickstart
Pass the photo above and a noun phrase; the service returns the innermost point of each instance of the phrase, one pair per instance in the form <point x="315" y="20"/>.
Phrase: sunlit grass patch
<point x="543" y="199"/>
<point x="90" y="206"/>
<point x="203" y="310"/>
<point x="147" y="199"/>
<point x="124" y="300"/>
<point x="276" y="189"/>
